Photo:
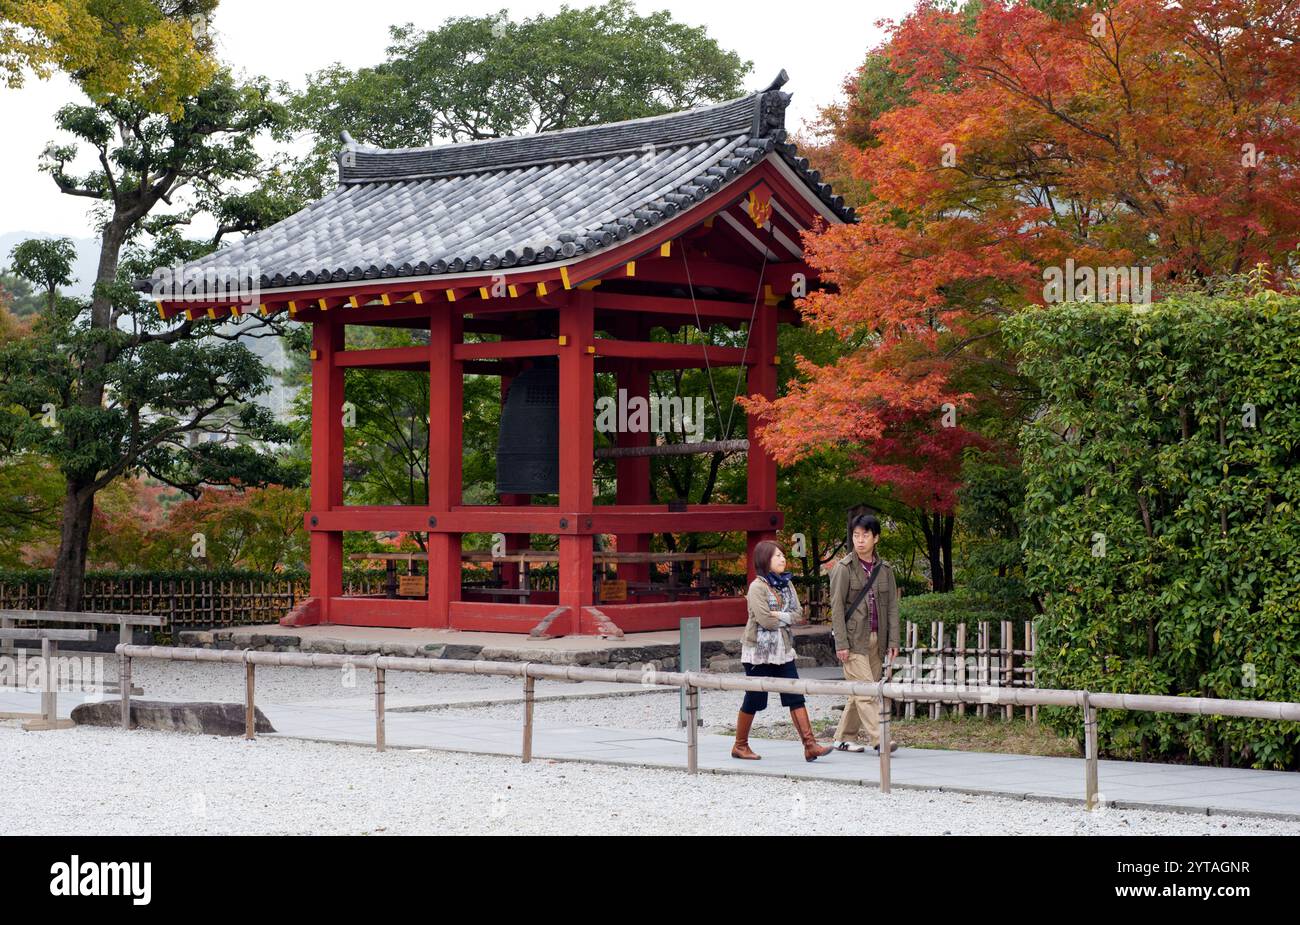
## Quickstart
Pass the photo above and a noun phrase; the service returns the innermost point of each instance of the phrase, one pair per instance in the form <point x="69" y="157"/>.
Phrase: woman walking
<point x="767" y="649"/>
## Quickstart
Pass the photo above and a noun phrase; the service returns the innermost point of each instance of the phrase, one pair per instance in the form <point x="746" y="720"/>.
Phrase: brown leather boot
<point x="812" y="749"/>
<point x="741" y="748"/>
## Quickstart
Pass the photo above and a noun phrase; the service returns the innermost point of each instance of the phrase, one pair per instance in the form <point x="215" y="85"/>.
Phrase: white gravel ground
<point x="185" y="784"/>
<point x="163" y="680"/>
<point x="103" y="781"/>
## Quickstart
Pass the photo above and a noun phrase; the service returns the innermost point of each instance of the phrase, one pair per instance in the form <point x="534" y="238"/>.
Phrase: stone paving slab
<point x="1207" y="790"/>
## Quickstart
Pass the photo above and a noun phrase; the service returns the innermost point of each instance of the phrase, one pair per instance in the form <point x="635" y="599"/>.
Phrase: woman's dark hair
<point x="868" y="522"/>
<point x="763" y="556"/>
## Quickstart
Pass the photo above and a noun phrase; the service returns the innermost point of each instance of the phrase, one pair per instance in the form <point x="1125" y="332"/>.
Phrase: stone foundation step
<point x="814" y="649"/>
<point x="725" y="663"/>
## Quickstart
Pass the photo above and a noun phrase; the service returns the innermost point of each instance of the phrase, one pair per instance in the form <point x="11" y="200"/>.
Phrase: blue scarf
<point x="780" y="582"/>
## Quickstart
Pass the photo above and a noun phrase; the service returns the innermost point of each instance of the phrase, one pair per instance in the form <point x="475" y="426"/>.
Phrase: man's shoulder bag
<point x="871" y="580"/>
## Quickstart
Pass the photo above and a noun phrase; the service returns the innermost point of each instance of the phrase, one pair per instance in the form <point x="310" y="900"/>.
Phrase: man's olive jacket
<point x="853" y="631"/>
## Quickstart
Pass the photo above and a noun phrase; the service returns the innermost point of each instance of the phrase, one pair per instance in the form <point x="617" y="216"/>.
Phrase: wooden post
<point x="1031" y="659"/>
<point x="1090" y="752"/>
<point x="125" y="637"/>
<point x="886" y="708"/>
<point x="326" y="461"/>
<point x="916" y="666"/>
<point x="961" y="666"/>
<point x="982" y="654"/>
<point x="49" y="690"/>
<point x="943" y="668"/>
<point x="761" y="472"/>
<point x="692" y="729"/>
<point x="577" y="421"/>
<point x="933" y="706"/>
<point x="446" y="438"/>
<point x="124" y="682"/>
<point x="379" y="709"/>
<point x="250" y="711"/>
<point x="1008" y="667"/>
<point x="530" y="696"/>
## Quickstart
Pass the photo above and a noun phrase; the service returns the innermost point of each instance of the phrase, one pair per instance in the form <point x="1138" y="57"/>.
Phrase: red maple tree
<point x="994" y="143"/>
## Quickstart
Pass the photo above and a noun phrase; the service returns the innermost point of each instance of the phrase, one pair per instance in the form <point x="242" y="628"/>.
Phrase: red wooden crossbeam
<point x="385" y="358"/>
<point x="551" y="521"/>
<point x="506" y="349"/>
<point x="669" y="305"/>
<point x="681" y="354"/>
<point x="699" y="272"/>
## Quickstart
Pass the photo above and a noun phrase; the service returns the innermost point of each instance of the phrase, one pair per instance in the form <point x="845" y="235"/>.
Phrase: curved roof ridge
<point x="422" y="212"/>
<point x="756" y="115"/>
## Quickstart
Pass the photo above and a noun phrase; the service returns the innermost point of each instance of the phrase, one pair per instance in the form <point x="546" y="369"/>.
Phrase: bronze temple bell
<point x="528" y="439"/>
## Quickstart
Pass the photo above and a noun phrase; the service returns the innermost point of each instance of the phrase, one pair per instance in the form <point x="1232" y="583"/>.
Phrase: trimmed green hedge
<point x="961" y="605"/>
<point x="1162" y="483"/>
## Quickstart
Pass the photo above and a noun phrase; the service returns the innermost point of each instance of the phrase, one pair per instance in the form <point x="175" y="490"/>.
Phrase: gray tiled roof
<point x="512" y="202"/>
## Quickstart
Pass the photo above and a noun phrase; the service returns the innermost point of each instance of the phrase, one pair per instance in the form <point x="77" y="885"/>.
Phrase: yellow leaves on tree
<point x="155" y="54"/>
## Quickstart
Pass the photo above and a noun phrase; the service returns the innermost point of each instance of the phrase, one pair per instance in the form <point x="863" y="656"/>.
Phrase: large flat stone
<point x="205" y="717"/>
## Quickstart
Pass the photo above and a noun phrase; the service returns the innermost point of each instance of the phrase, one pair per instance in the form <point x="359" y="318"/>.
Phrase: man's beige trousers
<point x="861" y="712"/>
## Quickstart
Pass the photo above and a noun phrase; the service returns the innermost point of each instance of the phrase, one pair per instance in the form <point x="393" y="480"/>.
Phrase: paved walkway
<point x="1122" y="784"/>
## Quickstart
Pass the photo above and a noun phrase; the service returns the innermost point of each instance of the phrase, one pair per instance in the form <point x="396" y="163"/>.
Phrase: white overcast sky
<point x="818" y="42"/>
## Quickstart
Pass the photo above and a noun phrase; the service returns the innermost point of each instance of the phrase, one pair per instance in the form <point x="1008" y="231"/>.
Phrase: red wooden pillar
<point x="633" y="473"/>
<point x="762" y="468"/>
<point x="446" y="416"/>
<point x="577" y="401"/>
<point x="326" y="460"/>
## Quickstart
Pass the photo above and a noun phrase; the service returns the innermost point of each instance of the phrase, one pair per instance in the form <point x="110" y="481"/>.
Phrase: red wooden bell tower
<point x="603" y="241"/>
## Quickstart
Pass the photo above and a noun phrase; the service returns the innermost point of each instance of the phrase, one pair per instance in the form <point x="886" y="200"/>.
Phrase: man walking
<point x="864" y="614"/>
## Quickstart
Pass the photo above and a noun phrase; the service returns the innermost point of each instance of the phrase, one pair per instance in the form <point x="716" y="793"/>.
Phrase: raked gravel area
<point x="103" y="781"/>
<point x="164" y="680"/>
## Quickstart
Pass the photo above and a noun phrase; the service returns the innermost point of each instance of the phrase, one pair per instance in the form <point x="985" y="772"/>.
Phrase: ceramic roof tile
<point x="508" y="202"/>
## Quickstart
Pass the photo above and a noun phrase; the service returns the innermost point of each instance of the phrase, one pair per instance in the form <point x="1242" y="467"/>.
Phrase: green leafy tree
<point x="108" y="389"/>
<point x="45" y="263"/>
<point x="477" y="77"/>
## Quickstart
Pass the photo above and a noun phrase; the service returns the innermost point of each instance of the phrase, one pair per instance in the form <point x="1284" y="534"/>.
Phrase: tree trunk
<point x="937" y="529"/>
<point x="79" y="500"/>
<point x="931" y="551"/>
<point x="74" y="540"/>
<point x="948" y="520"/>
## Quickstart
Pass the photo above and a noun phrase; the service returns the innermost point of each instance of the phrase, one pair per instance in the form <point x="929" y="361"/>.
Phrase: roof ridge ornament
<point x="347" y="156"/>
<point x="781" y="80"/>
<point x="769" y="109"/>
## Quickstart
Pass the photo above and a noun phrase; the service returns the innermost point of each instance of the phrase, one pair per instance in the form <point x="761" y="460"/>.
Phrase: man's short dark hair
<point x="869" y="522"/>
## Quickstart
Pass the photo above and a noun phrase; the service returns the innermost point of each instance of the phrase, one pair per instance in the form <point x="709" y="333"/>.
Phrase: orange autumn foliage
<point x="1006" y="140"/>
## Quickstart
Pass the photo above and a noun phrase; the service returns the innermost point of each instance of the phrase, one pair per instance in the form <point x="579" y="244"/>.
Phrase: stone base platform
<point x="720" y="647"/>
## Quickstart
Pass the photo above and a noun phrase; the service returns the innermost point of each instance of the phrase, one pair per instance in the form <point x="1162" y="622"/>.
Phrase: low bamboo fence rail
<point x="1002" y="662"/>
<point x="692" y="682"/>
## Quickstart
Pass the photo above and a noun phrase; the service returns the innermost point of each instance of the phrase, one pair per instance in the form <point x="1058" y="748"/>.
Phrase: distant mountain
<point x="83" y="268"/>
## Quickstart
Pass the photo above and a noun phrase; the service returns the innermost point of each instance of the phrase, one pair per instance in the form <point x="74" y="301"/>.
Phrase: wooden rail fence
<point x="692" y="682"/>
